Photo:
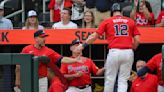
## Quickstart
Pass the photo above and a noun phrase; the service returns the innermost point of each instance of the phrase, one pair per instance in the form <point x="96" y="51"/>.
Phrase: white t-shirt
<point x="39" y="27"/>
<point x="60" y="25"/>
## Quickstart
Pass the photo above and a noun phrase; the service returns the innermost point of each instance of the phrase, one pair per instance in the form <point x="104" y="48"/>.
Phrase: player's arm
<point x="89" y="40"/>
<point x="136" y="41"/>
<point x="17" y="78"/>
<point x="71" y="76"/>
<point x="100" y="71"/>
<point x="143" y="71"/>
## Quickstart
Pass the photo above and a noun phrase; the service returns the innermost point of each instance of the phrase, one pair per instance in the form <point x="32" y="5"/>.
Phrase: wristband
<point x="85" y="45"/>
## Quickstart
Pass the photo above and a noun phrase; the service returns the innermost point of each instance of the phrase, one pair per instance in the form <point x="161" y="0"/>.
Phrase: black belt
<point x="83" y="87"/>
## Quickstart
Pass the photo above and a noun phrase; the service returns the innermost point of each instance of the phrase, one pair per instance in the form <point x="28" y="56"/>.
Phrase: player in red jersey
<point x="155" y="63"/>
<point x="79" y="74"/>
<point x="147" y="83"/>
<point x="39" y="49"/>
<point x="123" y="37"/>
<point x="160" y="19"/>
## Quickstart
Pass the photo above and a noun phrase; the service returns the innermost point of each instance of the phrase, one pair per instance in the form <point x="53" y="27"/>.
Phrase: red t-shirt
<point x="44" y="51"/>
<point x="56" y="85"/>
<point x="87" y="68"/>
<point x="52" y="5"/>
<point x="148" y="84"/>
<point x="142" y="21"/>
<point x="160" y="17"/>
<point x="120" y="31"/>
<point x="67" y="3"/>
<point x="156" y="63"/>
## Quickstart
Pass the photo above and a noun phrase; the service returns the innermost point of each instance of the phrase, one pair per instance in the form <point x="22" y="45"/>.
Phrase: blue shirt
<point x="5" y="23"/>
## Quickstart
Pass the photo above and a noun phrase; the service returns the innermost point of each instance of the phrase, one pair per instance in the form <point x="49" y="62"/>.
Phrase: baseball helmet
<point x="115" y="7"/>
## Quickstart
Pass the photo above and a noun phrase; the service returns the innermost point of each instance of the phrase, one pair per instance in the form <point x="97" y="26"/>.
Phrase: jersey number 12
<point x="121" y="30"/>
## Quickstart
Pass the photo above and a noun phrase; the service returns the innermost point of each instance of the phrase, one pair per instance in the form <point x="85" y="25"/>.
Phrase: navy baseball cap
<point x="40" y="33"/>
<point x="116" y="7"/>
<point x="76" y="41"/>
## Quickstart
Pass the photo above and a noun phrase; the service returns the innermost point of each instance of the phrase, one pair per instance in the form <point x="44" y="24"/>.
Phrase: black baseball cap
<point x="76" y="41"/>
<point x="40" y="33"/>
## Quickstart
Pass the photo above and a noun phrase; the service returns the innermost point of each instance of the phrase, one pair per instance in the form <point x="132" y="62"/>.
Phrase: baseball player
<point x="79" y="74"/>
<point x="39" y="49"/>
<point x="123" y="37"/>
<point x="155" y="63"/>
<point x="147" y="83"/>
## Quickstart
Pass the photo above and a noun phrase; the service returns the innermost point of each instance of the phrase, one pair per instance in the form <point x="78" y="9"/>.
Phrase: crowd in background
<point x="90" y="13"/>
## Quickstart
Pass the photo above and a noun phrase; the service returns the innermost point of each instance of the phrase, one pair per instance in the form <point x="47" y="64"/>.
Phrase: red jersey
<point x="52" y="5"/>
<point x="87" y="68"/>
<point x="44" y="51"/>
<point x="142" y="21"/>
<point x="156" y="63"/>
<point x="120" y="31"/>
<point x="160" y="17"/>
<point x="56" y="85"/>
<point x="148" y="84"/>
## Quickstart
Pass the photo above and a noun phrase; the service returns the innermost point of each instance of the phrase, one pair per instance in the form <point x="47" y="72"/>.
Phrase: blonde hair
<point x="27" y="23"/>
<point x="93" y="20"/>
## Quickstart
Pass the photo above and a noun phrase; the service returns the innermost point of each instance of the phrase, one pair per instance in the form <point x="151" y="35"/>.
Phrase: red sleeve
<point x="54" y="56"/>
<point x="152" y="63"/>
<point x="94" y="68"/>
<point x="64" y="69"/>
<point x="159" y="17"/>
<point x="56" y="87"/>
<point x="102" y="28"/>
<point x="24" y="50"/>
<point x="135" y="30"/>
<point x="51" y="4"/>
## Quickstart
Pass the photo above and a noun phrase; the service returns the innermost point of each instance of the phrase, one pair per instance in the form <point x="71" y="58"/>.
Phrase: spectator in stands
<point x="88" y="20"/>
<point x="65" y="22"/>
<point x="55" y="6"/>
<point x="147" y="83"/>
<point x="102" y="10"/>
<point x="142" y="13"/>
<point x="77" y="11"/>
<point x="160" y="20"/>
<point x="32" y="21"/>
<point x="4" y="23"/>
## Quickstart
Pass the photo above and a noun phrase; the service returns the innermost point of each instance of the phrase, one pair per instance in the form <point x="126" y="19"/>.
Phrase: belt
<point x="83" y="87"/>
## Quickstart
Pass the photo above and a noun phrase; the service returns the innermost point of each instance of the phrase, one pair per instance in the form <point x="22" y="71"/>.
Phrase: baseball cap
<point x="116" y="7"/>
<point x="76" y="41"/>
<point x="40" y="33"/>
<point x="32" y="13"/>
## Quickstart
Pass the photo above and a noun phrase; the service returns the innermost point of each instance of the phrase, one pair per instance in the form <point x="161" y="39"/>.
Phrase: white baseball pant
<point x="119" y="62"/>
<point x="75" y="89"/>
<point x="43" y="84"/>
<point x="160" y="88"/>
